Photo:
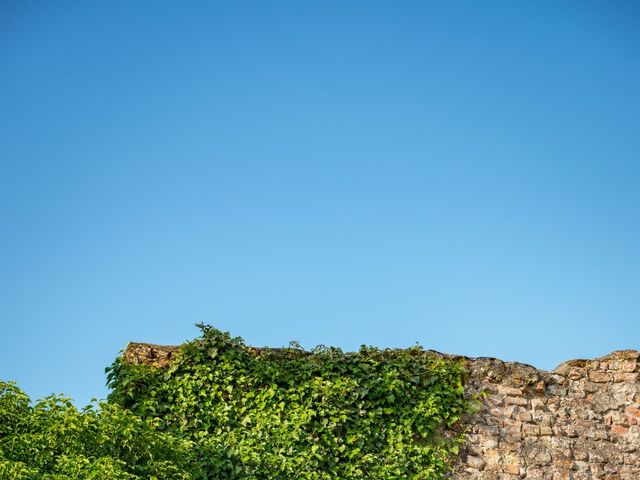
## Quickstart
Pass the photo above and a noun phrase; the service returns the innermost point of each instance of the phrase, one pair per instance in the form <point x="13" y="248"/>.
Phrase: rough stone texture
<point x="580" y="421"/>
<point x="149" y="354"/>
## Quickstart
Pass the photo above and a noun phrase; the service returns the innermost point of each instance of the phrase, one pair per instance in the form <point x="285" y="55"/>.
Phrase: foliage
<point x="223" y="410"/>
<point x="52" y="440"/>
<point x="291" y="414"/>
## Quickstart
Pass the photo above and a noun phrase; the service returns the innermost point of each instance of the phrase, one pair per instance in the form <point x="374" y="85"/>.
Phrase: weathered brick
<point x="600" y="377"/>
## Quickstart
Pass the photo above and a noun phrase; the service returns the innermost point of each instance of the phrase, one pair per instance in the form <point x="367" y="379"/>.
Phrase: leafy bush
<point x="291" y="414"/>
<point x="52" y="440"/>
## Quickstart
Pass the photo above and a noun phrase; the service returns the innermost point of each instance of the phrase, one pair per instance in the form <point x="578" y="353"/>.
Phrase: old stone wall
<point x="580" y="421"/>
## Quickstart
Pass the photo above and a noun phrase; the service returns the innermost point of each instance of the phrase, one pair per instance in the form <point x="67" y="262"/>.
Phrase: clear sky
<point x="465" y="175"/>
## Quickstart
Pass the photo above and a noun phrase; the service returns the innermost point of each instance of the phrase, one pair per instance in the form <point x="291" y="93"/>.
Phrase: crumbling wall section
<point x="579" y="421"/>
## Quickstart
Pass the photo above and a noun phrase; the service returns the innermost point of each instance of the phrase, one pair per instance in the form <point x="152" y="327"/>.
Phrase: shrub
<point x="52" y="440"/>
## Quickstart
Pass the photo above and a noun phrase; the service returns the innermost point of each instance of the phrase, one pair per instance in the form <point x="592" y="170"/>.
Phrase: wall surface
<point x="581" y="421"/>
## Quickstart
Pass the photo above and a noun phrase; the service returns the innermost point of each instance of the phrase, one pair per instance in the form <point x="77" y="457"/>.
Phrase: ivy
<point x="293" y="414"/>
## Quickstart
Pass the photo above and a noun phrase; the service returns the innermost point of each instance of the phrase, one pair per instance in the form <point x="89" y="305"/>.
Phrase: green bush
<point x="52" y="440"/>
<point x="291" y="414"/>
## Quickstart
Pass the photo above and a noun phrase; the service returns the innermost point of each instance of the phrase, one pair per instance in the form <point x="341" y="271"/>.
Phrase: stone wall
<point x="580" y="421"/>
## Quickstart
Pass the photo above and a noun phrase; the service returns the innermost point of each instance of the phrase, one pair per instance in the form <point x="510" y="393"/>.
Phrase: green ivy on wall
<point x="291" y="414"/>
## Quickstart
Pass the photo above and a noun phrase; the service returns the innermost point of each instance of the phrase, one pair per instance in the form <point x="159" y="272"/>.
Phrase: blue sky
<point x="465" y="175"/>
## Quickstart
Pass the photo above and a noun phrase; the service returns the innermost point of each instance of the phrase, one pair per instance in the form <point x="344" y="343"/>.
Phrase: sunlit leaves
<point x="288" y="413"/>
<point x="52" y="440"/>
<point x="225" y="411"/>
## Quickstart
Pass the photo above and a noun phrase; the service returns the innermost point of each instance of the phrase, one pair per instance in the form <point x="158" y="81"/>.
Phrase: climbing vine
<point x="293" y="414"/>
